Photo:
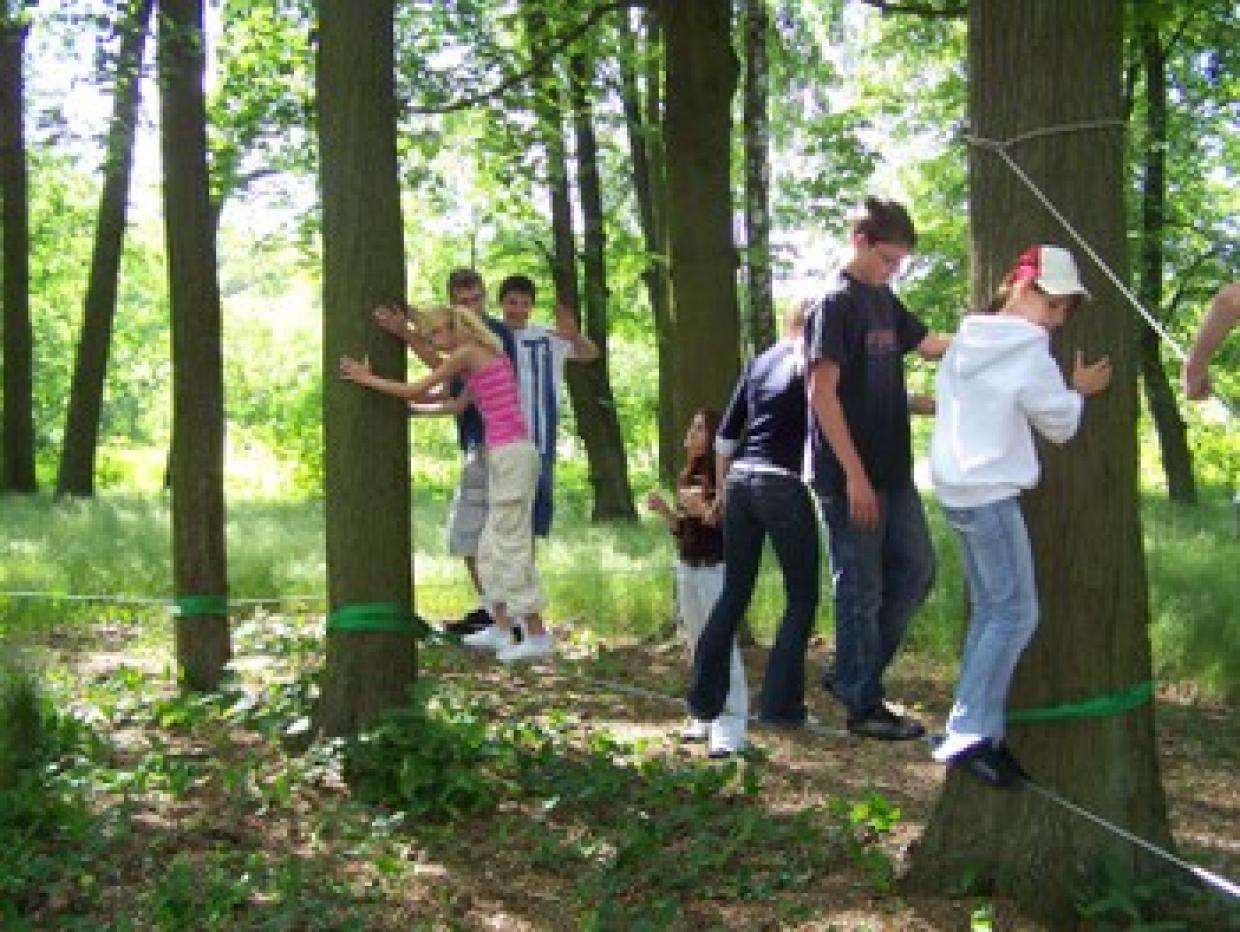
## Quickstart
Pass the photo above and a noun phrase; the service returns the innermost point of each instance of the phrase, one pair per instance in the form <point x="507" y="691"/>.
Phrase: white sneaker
<point x="490" y="637"/>
<point x="533" y="647"/>
<point x="695" y="731"/>
<point x="727" y="737"/>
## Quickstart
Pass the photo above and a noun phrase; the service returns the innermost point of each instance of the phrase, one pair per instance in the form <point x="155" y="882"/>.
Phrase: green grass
<point x="614" y="580"/>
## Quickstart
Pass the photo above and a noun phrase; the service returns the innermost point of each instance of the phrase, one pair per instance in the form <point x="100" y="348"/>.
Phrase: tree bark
<point x="77" y="457"/>
<point x="761" y="317"/>
<point x="701" y="79"/>
<point x="198" y="547"/>
<point x="367" y="434"/>
<point x="1037" y="64"/>
<point x="1172" y="432"/>
<point x="643" y="118"/>
<point x="598" y="420"/>
<point x="17" y="459"/>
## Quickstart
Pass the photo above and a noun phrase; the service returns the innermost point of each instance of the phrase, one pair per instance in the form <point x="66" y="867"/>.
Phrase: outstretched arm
<point x="359" y="371"/>
<point x="567" y="328"/>
<point x="1223" y="314"/>
<point x="392" y="319"/>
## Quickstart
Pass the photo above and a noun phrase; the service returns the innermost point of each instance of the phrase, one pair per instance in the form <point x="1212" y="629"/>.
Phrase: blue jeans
<point x="881" y="577"/>
<point x="1003" y="598"/>
<point x="757" y="504"/>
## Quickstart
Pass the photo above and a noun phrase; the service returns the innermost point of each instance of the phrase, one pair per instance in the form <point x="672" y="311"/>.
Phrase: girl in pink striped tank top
<point x="505" y="551"/>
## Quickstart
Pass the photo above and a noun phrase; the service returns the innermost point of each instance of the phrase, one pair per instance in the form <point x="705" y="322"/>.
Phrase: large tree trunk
<point x="77" y="457"/>
<point x="371" y="658"/>
<point x="701" y="79"/>
<point x="1172" y="431"/>
<point x="198" y="549"/>
<point x="761" y="317"/>
<point x="1083" y="518"/>
<point x="17" y="456"/>
<point x="643" y="118"/>
<point x="598" y="421"/>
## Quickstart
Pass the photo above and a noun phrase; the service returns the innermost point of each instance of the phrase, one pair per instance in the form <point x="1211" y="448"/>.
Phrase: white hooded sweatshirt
<point x="996" y="384"/>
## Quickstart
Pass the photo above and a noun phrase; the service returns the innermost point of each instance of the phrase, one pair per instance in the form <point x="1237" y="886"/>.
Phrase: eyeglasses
<point x="895" y="262"/>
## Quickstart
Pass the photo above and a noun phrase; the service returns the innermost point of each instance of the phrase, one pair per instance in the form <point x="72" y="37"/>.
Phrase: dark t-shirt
<point x="865" y="330"/>
<point x="697" y="542"/>
<point x="768" y="414"/>
<point x="469" y="427"/>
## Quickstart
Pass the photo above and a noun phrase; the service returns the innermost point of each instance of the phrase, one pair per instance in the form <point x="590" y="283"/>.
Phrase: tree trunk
<point x="1169" y="425"/>
<point x="644" y="126"/>
<point x="598" y="421"/>
<point x="1038" y="64"/>
<point x="198" y="547"/>
<point x="77" y="458"/>
<point x="762" y="328"/>
<point x="371" y="654"/>
<point x="701" y="79"/>
<point x="17" y="458"/>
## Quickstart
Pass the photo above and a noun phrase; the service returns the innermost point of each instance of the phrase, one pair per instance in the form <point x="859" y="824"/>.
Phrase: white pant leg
<point x="698" y="590"/>
<point x="506" y="549"/>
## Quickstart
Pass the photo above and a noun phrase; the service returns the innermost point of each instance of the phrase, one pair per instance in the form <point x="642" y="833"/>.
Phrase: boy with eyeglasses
<point x="882" y="560"/>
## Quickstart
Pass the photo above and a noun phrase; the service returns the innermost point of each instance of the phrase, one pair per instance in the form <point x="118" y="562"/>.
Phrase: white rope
<point x="1001" y="148"/>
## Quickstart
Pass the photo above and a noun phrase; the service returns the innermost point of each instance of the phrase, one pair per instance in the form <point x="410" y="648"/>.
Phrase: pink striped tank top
<point x="494" y="390"/>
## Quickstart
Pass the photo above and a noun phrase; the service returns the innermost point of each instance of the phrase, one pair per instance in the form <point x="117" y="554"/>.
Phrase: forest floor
<point x="219" y="824"/>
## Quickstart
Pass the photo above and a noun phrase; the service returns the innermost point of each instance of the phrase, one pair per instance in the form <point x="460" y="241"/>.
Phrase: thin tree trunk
<point x="597" y="419"/>
<point x="762" y="329"/>
<point x="1083" y="518"/>
<point x="1172" y="432"/>
<point x="644" y="126"/>
<point x="77" y="459"/>
<point x="198" y="546"/>
<point x="701" y="80"/>
<point x="17" y="458"/>
<point x="371" y="655"/>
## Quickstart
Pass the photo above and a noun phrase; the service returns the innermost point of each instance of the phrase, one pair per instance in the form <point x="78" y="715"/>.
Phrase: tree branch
<point x="952" y="10"/>
<point x="519" y="77"/>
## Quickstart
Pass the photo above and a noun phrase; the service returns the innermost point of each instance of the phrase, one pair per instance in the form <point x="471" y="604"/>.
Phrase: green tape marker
<point x="199" y="606"/>
<point x="1112" y="703"/>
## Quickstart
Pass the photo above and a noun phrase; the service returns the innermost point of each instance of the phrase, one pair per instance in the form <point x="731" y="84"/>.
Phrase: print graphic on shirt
<point x="880" y="341"/>
<point x="538" y="390"/>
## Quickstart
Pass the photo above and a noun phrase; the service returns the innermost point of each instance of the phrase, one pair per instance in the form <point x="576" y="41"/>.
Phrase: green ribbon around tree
<point x="1112" y="703"/>
<point x="199" y="606"/>
<point x="376" y="618"/>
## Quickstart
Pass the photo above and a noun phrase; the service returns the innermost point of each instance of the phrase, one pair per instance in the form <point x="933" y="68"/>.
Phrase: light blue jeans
<point x="1003" y="596"/>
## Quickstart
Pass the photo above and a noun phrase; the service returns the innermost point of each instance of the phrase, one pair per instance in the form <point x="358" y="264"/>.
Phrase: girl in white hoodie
<point x="997" y="384"/>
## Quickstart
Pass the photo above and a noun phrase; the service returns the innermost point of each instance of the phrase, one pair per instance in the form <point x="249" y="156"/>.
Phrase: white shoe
<point x="490" y="637"/>
<point x="727" y="738"/>
<point x="533" y="647"/>
<point x="695" y="731"/>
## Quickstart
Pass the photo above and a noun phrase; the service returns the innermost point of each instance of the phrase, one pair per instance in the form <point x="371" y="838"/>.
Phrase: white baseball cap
<point x="1051" y="268"/>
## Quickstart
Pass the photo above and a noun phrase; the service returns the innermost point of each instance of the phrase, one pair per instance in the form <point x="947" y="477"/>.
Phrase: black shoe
<point x="886" y="725"/>
<point x="782" y="724"/>
<point x="1003" y="754"/>
<point x="476" y="620"/>
<point x="992" y="765"/>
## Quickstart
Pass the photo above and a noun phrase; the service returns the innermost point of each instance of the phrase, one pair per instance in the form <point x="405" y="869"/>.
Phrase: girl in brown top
<point x="699" y="576"/>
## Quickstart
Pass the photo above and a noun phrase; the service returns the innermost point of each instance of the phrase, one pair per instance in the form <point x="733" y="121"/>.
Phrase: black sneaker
<point x="993" y="765"/>
<point x="476" y="620"/>
<point x="886" y="725"/>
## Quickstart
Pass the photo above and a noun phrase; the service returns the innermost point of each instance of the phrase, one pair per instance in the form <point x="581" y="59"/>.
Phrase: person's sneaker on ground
<point x="694" y="731"/>
<point x="492" y="637"/>
<point x="532" y="647"/>
<point x="477" y="620"/>
<point x="885" y="725"/>
<point x="723" y="742"/>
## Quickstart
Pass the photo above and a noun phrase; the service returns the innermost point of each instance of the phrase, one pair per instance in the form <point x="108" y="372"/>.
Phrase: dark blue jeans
<point x="756" y="505"/>
<point x="881" y="577"/>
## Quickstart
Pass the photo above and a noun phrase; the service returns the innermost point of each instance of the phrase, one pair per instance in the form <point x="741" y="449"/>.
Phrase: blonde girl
<point x="505" y="551"/>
